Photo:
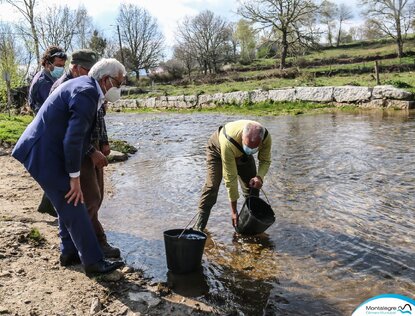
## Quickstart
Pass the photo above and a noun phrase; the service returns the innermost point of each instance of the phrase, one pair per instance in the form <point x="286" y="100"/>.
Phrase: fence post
<point x="377" y="72"/>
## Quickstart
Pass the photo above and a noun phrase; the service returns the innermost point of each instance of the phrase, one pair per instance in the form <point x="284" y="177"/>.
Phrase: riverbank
<point x="33" y="283"/>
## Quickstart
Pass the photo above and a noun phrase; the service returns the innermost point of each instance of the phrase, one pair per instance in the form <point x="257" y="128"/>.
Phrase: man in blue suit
<point x="52" y="147"/>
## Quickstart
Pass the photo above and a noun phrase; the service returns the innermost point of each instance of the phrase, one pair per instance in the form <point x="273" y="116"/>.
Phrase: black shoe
<point x="109" y="251"/>
<point x="46" y="206"/>
<point x="102" y="267"/>
<point x="69" y="260"/>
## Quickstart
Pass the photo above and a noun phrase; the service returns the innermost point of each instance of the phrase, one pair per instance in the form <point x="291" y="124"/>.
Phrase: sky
<point x="167" y="12"/>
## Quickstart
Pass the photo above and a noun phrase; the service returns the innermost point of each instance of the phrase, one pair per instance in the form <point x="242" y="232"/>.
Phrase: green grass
<point x="11" y="127"/>
<point x="306" y="79"/>
<point x="245" y="77"/>
<point x="35" y="237"/>
<point x="257" y="109"/>
<point x="122" y="146"/>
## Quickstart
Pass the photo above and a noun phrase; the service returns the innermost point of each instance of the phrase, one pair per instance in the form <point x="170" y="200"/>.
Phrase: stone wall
<point x="377" y="97"/>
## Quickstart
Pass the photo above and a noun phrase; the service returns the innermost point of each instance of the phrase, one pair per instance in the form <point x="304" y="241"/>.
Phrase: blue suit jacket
<point x="39" y="89"/>
<point x="53" y="144"/>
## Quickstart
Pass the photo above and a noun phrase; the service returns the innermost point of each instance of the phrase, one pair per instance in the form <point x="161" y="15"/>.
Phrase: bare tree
<point x="344" y="13"/>
<point x="328" y="11"/>
<point x="57" y="26"/>
<point x="186" y="56"/>
<point x="141" y="35"/>
<point x="284" y="17"/>
<point x="27" y="9"/>
<point x="206" y="36"/>
<point x="391" y="17"/>
<point x="84" y="28"/>
<point x="370" y="31"/>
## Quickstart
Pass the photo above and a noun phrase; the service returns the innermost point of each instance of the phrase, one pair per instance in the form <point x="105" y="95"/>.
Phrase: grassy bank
<point x="267" y="108"/>
<point x="308" y="78"/>
<point x="11" y="127"/>
<point x="351" y="64"/>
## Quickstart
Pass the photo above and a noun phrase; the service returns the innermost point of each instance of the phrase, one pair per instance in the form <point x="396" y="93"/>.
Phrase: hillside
<point x="351" y="64"/>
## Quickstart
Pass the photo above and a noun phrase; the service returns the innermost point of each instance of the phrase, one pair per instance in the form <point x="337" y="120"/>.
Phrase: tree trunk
<point x="284" y="51"/>
<point x="9" y="95"/>
<point x="339" y="35"/>
<point x="329" y="35"/>
<point x="35" y="37"/>
<point x="399" y="40"/>
<point x="137" y="74"/>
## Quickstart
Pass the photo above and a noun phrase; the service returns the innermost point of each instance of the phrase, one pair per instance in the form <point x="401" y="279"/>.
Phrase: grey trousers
<point x="209" y="196"/>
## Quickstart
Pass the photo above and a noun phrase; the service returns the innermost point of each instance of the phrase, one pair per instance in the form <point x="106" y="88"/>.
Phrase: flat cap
<point x="84" y="57"/>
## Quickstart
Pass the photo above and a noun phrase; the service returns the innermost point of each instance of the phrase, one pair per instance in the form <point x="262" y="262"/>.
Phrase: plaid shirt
<point x="99" y="136"/>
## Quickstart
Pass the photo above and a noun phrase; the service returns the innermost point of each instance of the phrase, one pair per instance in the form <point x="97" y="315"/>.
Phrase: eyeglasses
<point x="59" y="55"/>
<point x="118" y="85"/>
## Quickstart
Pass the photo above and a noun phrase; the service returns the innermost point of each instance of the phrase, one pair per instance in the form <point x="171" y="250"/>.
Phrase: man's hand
<point x="75" y="193"/>
<point x="105" y="149"/>
<point x="256" y="182"/>
<point x="234" y="214"/>
<point x="234" y="220"/>
<point x="99" y="159"/>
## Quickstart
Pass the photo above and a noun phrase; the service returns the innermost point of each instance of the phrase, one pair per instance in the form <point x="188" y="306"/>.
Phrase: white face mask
<point x="113" y="94"/>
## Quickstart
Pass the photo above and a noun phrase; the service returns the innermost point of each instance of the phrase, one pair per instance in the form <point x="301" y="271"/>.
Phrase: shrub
<point x="398" y="84"/>
<point x="35" y="237"/>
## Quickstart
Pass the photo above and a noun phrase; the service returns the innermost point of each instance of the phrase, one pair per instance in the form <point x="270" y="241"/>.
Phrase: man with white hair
<point x="52" y="147"/>
<point x="92" y="171"/>
<point x="229" y="154"/>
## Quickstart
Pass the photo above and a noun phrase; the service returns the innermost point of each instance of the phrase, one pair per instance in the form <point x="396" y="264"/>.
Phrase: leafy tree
<point x="8" y="63"/>
<point x="246" y="38"/>
<point x="97" y="43"/>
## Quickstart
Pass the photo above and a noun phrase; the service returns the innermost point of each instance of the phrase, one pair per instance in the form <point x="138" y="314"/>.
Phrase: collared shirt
<point x="229" y="153"/>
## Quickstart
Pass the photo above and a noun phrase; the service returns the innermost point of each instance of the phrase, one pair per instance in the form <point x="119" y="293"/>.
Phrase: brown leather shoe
<point x="109" y="251"/>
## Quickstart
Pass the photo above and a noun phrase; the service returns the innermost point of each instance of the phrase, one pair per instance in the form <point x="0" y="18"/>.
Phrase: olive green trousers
<point x="246" y="171"/>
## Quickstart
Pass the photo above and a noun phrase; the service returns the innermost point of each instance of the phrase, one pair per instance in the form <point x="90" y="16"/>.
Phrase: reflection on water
<point x="341" y="185"/>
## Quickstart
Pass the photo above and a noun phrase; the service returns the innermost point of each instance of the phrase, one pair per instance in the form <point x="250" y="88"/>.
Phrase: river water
<point x="342" y="188"/>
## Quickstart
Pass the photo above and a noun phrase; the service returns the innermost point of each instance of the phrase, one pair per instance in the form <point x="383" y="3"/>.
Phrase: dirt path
<point x="33" y="283"/>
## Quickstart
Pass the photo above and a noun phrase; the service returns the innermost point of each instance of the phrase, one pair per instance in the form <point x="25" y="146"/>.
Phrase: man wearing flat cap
<point x="92" y="172"/>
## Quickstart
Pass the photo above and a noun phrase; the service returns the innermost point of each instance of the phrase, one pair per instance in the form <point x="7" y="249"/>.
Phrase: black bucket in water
<point x="184" y="254"/>
<point x="255" y="217"/>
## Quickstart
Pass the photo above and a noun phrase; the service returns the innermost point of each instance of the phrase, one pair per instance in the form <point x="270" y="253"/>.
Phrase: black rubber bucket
<point x="255" y="216"/>
<point x="184" y="254"/>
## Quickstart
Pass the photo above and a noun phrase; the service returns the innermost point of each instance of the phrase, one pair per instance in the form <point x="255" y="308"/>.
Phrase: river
<point x="342" y="188"/>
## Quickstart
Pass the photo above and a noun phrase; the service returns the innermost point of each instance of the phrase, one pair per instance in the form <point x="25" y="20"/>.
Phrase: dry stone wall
<point x="377" y="97"/>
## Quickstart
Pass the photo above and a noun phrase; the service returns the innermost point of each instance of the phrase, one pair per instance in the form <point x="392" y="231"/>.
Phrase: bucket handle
<point x="188" y="224"/>
<point x="250" y="190"/>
